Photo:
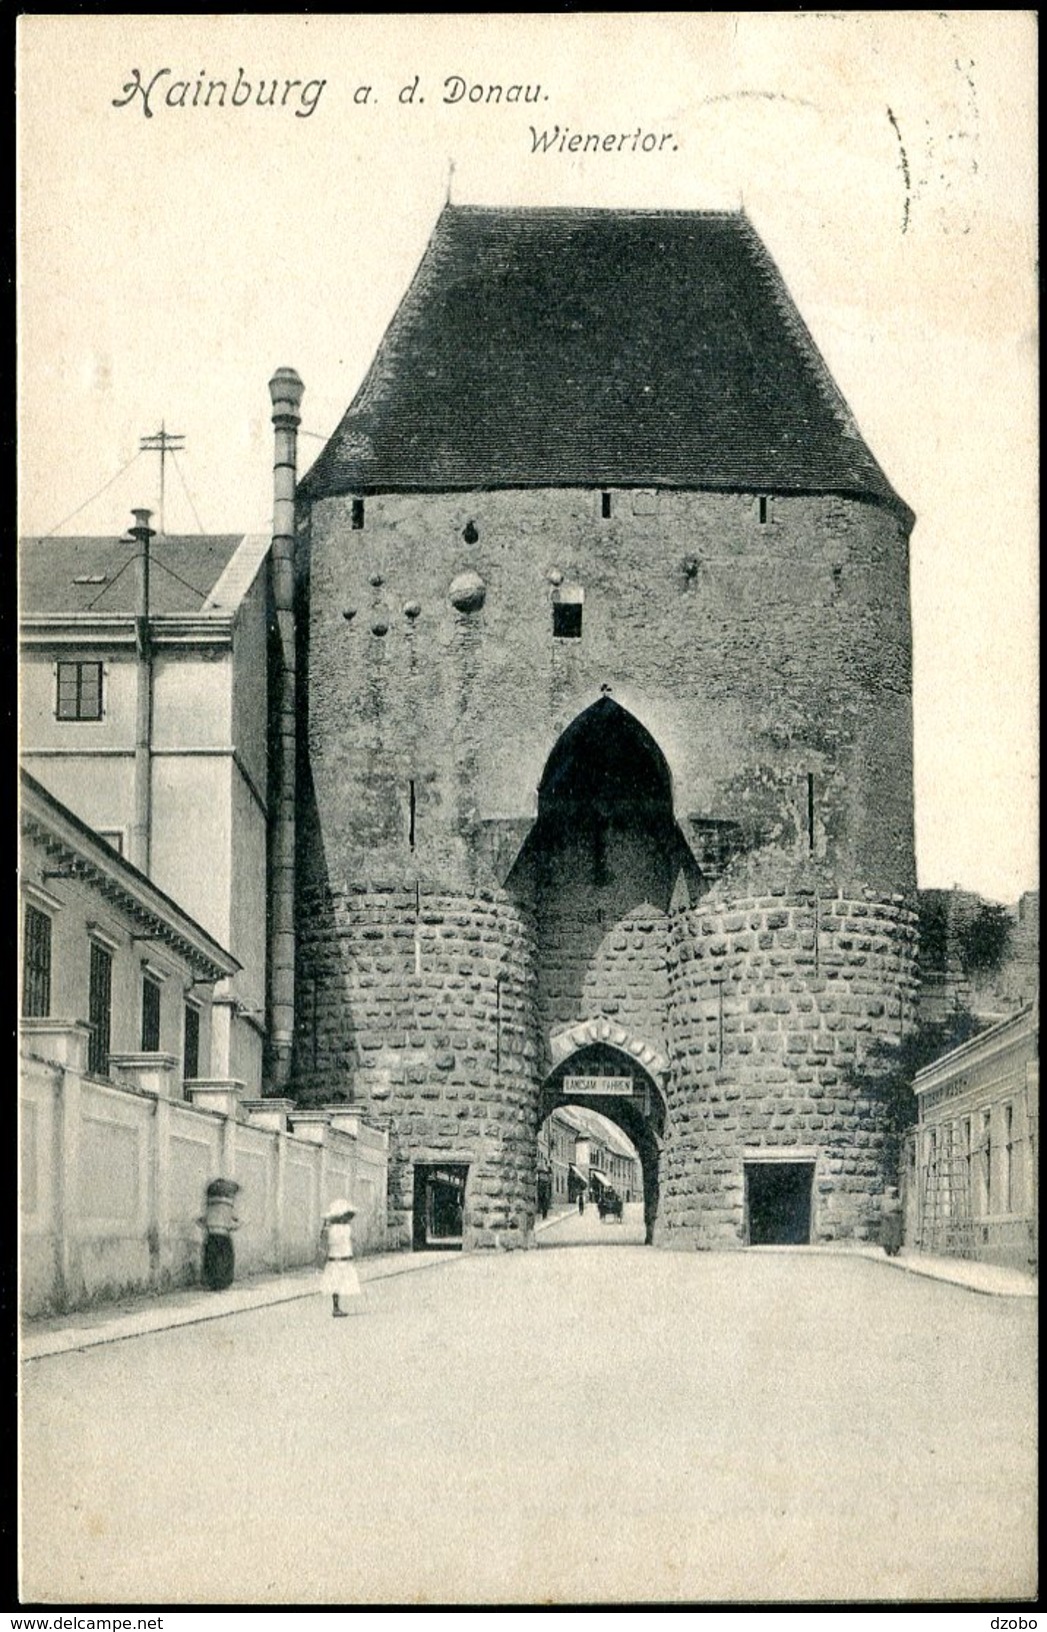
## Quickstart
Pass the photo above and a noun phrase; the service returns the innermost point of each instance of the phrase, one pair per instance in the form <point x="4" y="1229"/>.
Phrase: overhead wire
<point x="189" y="496"/>
<point x="156" y="561"/>
<point x="110" y="584"/>
<point x="92" y="499"/>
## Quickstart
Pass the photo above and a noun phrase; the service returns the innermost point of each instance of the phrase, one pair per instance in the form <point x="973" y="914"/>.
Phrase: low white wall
<point x="114" y="1180"/>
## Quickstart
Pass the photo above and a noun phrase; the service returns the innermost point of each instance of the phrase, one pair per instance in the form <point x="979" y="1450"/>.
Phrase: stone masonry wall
<point x="423" y="1014"/>
<point x="774" y="1001"/>
<point x="601" y="938"/>
<point x="756" y="655"/>
<point x="770" y="662"/>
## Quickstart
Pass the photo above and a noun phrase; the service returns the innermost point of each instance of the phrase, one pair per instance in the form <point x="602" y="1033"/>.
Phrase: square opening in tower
<point x="778" y="1202"/>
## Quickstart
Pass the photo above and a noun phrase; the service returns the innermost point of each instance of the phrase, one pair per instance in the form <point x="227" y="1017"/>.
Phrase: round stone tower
<point x="605" y="786"/>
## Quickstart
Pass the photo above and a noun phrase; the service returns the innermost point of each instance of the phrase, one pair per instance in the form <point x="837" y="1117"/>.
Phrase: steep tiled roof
<point x="63" y="575"/>
<point x="559" y="347"/>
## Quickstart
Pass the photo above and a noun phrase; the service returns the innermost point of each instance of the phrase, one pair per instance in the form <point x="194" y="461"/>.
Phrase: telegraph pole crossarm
<point x="162" y="442"/>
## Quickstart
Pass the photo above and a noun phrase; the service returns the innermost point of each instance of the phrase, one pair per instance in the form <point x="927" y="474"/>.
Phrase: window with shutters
<point x="150" y="1015"/>
<point x="191" y="1046"/>
<point x="36" y="963"/>
<point x="79" y="694"/>
<point x="1008" y="1159"/>
<point x="100" y="1010"/>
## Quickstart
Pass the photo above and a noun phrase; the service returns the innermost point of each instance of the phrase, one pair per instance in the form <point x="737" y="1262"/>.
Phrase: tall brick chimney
<point x="285" y="389"/>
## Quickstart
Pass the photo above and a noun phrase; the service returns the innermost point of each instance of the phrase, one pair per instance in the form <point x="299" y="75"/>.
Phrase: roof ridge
<point x="239" y="573"/>
<point x="788" y="310"/>
<point x="369" y="383"/>
<point x="592" y="209"/>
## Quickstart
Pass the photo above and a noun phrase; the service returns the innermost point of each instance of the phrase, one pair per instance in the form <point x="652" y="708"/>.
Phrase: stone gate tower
<point x="604" y="734"/>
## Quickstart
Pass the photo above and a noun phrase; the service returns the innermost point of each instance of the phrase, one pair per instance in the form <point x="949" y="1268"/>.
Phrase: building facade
<point x="123" y="1120"/>
<point x="971" y="1165"/>
<point x="580" y="1153"/>
<point x="116" y="977"/>
<point x="604" y="766"/>
<point x="144" y="709"/>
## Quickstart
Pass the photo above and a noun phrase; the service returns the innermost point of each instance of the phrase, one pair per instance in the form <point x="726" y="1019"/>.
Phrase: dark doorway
<point x="778" y="1203"/>
<point x="439" y="1206"/>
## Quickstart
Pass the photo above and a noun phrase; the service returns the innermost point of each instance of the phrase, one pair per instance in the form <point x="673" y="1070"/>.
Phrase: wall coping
<point x="62" y="1043"/>
<point x="144" y="1062"/>
<point x="36" y="1025"/>
<point x="222" y="1093"/>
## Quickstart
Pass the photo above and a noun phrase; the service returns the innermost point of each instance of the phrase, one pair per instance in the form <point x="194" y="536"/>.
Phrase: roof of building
<point x="1011" y="1031"/>
<point x="561" y="347"/>
<point x="70" y="575"/>
<point x="90" y="858"/>
<point x="595" y="1126"/>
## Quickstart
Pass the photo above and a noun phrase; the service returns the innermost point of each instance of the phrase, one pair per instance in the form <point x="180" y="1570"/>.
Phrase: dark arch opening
<point x="605" y="782"/>
<point x="606" y="760"/>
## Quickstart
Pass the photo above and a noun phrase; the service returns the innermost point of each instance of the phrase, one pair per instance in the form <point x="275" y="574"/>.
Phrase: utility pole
<point x="141" y="833"/>
<point x="162" y="442"/>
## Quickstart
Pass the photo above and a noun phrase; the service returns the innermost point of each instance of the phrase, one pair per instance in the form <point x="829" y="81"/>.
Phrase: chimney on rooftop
<point x="286" y="390"/>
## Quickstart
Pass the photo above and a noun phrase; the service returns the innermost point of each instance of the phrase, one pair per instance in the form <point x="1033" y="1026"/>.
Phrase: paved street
<point x="572" y="1228"/>
<point x="567" y="1425"/>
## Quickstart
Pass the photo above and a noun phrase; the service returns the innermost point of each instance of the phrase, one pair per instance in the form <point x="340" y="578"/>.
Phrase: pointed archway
<point x="611" y="1080"/>
<point x="598" y="873"/>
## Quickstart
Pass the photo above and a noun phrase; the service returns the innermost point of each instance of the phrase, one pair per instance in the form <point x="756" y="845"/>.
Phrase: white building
<point x="970" y="1174"/>
<point x="144" y="709"/>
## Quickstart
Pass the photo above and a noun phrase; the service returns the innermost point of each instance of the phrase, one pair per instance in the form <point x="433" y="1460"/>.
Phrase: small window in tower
<point x="763" y="509"/>
<point x="567" y="620"/>
<point x="567" y="611"/>
<point x="358" y="514"/>
<point x="605" y="505"/>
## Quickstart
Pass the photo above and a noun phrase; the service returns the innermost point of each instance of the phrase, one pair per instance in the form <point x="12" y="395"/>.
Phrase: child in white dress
<point x="340" y="1277"/>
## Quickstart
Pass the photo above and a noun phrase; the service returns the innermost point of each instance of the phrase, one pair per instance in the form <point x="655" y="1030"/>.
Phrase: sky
<point x="174" y="251"/>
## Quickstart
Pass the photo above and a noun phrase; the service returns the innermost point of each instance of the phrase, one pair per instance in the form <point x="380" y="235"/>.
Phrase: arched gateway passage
<point x="598" y="873"/>
<point x="608" y="1079"/>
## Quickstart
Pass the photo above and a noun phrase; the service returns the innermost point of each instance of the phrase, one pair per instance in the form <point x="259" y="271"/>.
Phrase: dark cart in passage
<point x="609" y="1205"/>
